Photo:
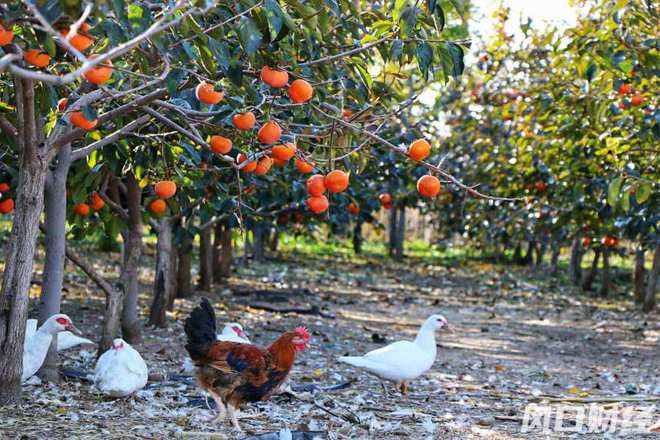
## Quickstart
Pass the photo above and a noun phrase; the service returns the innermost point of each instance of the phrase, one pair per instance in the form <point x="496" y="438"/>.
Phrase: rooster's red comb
<point x="304" y="333"/>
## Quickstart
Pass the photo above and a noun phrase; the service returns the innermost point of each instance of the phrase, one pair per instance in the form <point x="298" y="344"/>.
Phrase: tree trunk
<point x="400" y="234"/>
<point x="205" y="259"/>
<point x="217" y="252"/>
<point x="55" y="244"/>
<point x="651" y="287"/>
<point x="575" y="268"/>
<point x="174" y="271"/>
<point x="163" y="277"/>
<point x="591" y="275"/>
<point x="19" y="254"/>
<point x="638" y="275"/>
<point x="528" y="259"/>
<point x="130" y="277"/>
<point x="184" y="288"/>
<point x="605" y="286"/>
<point x="226" y="254"/>
<point x="393" y="232"/>
<point x="357" y="237"/>
<point x="554" y="259"/>
<point x="274" y="241"/>
<point x="540" y="251"/>
<point x="259" y="241"/>
<point x="517" y="254"/>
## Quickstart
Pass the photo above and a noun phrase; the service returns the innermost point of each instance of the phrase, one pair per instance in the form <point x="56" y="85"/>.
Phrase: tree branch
<point x="158" y="26"/>
<point x="8" y="127"/>
<point x="426" y="165"/>
<point x="127" y="129"/>
<point x="112" y="114"/>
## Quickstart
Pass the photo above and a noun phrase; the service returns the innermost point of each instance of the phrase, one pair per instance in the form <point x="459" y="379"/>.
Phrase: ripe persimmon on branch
<point x="471" y="190"/>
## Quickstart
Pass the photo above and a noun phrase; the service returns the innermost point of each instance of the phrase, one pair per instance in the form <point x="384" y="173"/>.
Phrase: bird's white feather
<point x="120" y="372"/>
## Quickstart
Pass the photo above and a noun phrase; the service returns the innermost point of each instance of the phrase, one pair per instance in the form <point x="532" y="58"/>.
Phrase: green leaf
<point x="644" y="191"/>
<point x="274" y="17"/>
<point x="456" y="53"/>
<point x="424" y="54"/>
<point x="249" y="35"/>
<point x="221" y="52"/>
<point x="613" y="191"/>
<point x="135" y="12"/>
<point x="50" y="9"/>
<point x="459" y="5"/>
<point x="396" y="50"/>
<point x="440" y="18"/>
<point x="89" y="113"/>
<point x="591" y="72"/>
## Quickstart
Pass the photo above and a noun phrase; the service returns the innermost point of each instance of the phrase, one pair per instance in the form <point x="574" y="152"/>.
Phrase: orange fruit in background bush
<point x="284" y="152"/>
<point x="353" y="208"/>
<point x="279" y="162"/>
<point x="37" y="58"/>
<point x="624" y="89"/>
<point x="385" y="199"/>
<point x="81" y="41"/>
<point x="165" y="189"/>
<point x="78" y="119"/>
<point x="207" y="94"/>
<point x="6" y="36"/>
<point x="637" y="100"/>
<point x="244" y="121"/>
<point x="347" y="113"/>
<point x="318" y="204"/>
<point x="62" y="104"/>
<point x="158" y="206"/>
<point x="274" y="77"/>
<point x="336" y="181"/>
<point x="419" y="150"/>
<point x="540" y="186"/>
<point x="220" y="145"/>
<point x="6" y="206"/>
<point x="316" y="185"/>
<point x="586" y="241"/>
<point x="99" y="74"/>
<point x="97" y="202"/>
<point x="428" y="186"/>
<point x="4" y="187"/>
<point x="250" y="167"/>
<point x="303" y="166"/>
<point x="300" y="91"/>
<point x="263" y="166"/>
<point x="270" y="133"/>
<point x="81" y="209"/>
<point x="609" y="241"/>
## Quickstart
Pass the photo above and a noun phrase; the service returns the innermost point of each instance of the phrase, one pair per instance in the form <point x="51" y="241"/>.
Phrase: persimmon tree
<point x="150" y="85"/>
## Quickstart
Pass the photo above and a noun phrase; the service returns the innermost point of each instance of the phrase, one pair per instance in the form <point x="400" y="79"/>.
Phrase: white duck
<point x="232" y="332"/>
<point x="65" y="339"/>
<point x="402" y="361"/>
<point x="120" y="371"/>
<point x="36" y="345"/>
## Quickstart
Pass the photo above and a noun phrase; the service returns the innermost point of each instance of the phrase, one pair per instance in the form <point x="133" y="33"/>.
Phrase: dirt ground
<point x="517" y="340"/>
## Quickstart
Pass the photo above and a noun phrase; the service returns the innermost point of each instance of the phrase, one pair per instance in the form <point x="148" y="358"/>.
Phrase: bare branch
<point x="187" y="133"/>
<point x="109" y="115"/>
<point x="8" y="127"/>
<point x="127" y="129"/>
<point x="161" y="24"/>
<point x="56" y="35"/>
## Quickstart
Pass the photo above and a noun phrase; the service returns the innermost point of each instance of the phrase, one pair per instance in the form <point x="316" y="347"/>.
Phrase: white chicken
<point x="120" y="371"/>
<point x="232" y="332"/>
<point x="65" y="339"/>
<point x="402" y="361"/>
<point x="36" y="345"/>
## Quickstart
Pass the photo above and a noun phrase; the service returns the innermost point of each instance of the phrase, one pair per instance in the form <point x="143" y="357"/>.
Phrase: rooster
<point x="235" y="374"/>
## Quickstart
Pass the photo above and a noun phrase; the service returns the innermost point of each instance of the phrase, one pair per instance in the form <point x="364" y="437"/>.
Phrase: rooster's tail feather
<point x="200" y="330"/>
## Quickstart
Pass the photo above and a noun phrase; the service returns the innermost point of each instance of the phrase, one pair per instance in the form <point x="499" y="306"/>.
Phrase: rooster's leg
<point x="221" y="411"/>
<point x="232" y="415"/>
<point x="404" y="388"/>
